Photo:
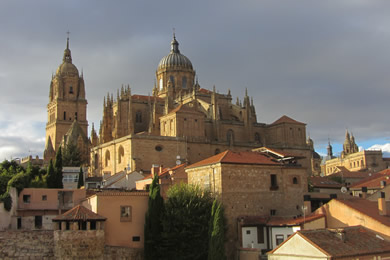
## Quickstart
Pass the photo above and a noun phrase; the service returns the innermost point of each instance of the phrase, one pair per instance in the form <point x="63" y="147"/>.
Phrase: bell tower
<point x="67" y="103"/>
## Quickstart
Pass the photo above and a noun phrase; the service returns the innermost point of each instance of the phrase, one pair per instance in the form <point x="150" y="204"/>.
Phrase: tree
<point x="80" y="183"/>
<point x="51" y="175"/>
<point x="186" y="223"/>
<point x="19" y="181"/>
<point x="58" y="169"/>
<point x="217" y="232"/>
<point x="153" y="225"/>
<point x="71" y="155"/>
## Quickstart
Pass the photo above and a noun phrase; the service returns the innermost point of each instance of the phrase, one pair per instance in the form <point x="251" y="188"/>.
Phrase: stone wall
<point x="26" y="244"/>
<point x="116" y="252"/>
<point x="82" y="244"/>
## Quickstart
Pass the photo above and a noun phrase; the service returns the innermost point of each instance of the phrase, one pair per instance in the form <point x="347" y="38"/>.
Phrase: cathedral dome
<point x="175" y="59"/>
<point x="67" y="67"/>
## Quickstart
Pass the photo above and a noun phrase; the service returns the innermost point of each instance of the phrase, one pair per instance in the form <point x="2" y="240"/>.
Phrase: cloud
<point x="384" y="147"/>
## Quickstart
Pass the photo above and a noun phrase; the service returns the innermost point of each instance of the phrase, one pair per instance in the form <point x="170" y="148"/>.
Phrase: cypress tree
<point x="217" y="238"/>
<point x="153" y="225"/>
<point x="58" y="169"/>
<point x="80" y="183"/>
<point x="51" y="175"/>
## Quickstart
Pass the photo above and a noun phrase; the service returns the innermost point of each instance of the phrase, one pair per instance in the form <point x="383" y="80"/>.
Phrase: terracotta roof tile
<point x="79" y="213"/>
<point x="286" y="119"/>
<point x="374" y="180"/>
<point x="237" y="158"/>
<point x="279" y="221"/>
<point x="344" y="172"/>
<point x="358" y="241"/>
<point x="166" y="170"/>
<point x="204" y="91"/>
<point x="324" y="182"/>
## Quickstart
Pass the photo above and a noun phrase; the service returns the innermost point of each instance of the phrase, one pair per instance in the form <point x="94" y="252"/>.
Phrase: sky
<point x="324" y="63"/>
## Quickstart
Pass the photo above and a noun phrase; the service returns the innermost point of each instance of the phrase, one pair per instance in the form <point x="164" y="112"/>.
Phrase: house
<point x="373" y="215"/>
<point x="37" y="207"/>
<point x="123" y="180"/>
<point x="371" y="184"/>
<point x="354" y="242"/>
<point x="251" y="184"/>
<point x="94" y="182"/>
<point x="125" y="216"/>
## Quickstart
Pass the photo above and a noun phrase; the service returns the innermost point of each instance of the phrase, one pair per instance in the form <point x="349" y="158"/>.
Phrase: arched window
<point x="230" y="137"/>
<point x="138" y="117"/>
<point x="121" y="154"/>
<point x="295" y="180"/>
<point x="107" y="158"/>
<point x="184" y="82"/>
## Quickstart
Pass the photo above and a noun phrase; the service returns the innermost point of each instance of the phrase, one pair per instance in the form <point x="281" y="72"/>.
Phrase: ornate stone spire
<point x="67" y="54"/>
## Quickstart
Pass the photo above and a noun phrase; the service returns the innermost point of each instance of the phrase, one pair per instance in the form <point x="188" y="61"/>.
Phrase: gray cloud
<point x="321" y="62"/>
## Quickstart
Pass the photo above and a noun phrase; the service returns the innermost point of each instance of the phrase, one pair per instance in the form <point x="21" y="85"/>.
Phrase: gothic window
<point x="107" y="161"/>
<point x="184" y="82"/>
<point x="230" y="137"/>
<point x="70" y="90"/>
<point x="64" y="115"/>
<point x="96" y="161"/>
<point x="121" y="154"/>
<point x="75" y="116"/>
<point x="138" y="117"/>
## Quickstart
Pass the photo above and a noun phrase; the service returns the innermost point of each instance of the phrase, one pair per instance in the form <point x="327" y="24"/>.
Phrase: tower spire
<point x="67" y="53"/>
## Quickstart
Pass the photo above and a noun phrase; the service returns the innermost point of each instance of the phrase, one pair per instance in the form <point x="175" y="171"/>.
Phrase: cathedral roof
<point x="67" y="67"/>
<point x="286" y="119"/>
<point x="175" y="59"/>
<point x="74" y="132"/>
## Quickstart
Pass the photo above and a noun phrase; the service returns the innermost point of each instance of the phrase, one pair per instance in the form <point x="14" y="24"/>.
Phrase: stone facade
<point x="251" y="189"/>
<point x="67" y="103"/>
<point x="183" y="119"/>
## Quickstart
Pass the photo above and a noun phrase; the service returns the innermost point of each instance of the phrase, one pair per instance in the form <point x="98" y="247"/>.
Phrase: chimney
<point x="383" y="184"/>
<point x="306" y="204"/>
<point x="364" y="192"/>
<point x="333" y="196"/>
<point x="382" y="204"/>
<point x="155" y="169"/>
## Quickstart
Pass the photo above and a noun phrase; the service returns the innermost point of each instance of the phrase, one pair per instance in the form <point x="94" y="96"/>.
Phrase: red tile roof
<point x="279" y="221"/>
<point x="324" y="182"/>
<point x="366" y="207"/>
<point x="166" y="170"/>
<point x="205" y="91"/>
<point x="374" y="180"/>
<point x="286" y="119"/>
<point x="344" y="172"/>
<point x="237" y="158"/>
<point x="358" y="241"/>
<point x="79" y="213"/>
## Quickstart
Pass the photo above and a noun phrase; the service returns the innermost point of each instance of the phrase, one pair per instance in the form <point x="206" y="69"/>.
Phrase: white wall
<point x="247" y="239"/>
<point x="285" y="231"/>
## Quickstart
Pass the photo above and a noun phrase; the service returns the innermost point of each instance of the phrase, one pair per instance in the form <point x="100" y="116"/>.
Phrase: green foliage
<point x="51" y="175"/>
<point x="217" y="230"/>
<point x="39" y="182"/>
<point x="19" y="181"/>
<point x="80" y="182"/>
<point x="186" y="223"/>
<point x="58" y="169"/>
<point x="6" y="198"/>
<point x="71" y="155"/>
<point x="153" y="225"/>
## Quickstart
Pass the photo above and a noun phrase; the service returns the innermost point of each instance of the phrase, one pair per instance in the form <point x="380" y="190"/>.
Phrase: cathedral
<point x="180" y="122"/>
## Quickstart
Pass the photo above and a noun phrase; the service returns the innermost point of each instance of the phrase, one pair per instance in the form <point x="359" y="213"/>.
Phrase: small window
<point x="260" y="235"/>
<point x="158" y="148"/>
<point x="295" y="180"/>
<point x="70" y="90"/>
<point x="136" y="239"/>
<point x="125" y="213"/>
<point x="248" y="232"/>
<point x="273" y="212"/>
<point x="217" y="151"/>
<point x="44" y="197"/>
<point x="38" y="222"/>
<point x="64" y="115"/>
<point x="279" y="239"/>
<point x="75" y="116"/>
<point x="26" y="198"/>
<point x="274" y="182"/>
<point x="19" y="223"/>
<point x="93" y="225"/>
